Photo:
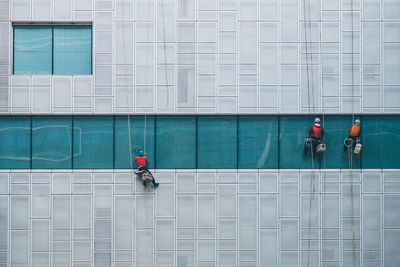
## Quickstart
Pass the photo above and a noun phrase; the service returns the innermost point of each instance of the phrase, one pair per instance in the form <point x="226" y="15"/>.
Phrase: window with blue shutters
<point x="57" y="49"/>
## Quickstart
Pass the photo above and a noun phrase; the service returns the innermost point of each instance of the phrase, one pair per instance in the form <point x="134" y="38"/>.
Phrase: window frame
<point x="51" y="24"/>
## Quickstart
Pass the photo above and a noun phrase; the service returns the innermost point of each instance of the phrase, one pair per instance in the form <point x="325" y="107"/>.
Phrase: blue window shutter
<point x="32" y="49"/>
<point x="72" y="50"/>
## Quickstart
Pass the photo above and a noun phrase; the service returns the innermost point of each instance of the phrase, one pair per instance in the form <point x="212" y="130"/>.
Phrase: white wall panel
<point x="217" y="228"/>
<point x="62" y="91"/>
<point x="42" y="10"/>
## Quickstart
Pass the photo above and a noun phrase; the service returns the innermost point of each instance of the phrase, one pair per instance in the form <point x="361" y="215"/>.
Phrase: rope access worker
<point x="142" y="163"/>
<point x="354" y="135"/>
<point x="316" y="134"/>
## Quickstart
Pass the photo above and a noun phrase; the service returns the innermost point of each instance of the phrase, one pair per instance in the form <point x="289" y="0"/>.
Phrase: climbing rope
<point x="311" y="109"/>
<point x="350" y="151"/>
<point x="127" y="104"/>
<point x="307" y="63"/>
<point x="165" y="50"/>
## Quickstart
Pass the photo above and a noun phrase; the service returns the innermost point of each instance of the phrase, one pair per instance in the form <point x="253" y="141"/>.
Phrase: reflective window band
<point x="192" y="142"/>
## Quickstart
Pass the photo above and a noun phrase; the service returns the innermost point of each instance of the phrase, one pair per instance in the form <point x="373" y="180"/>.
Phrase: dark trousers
<point x="145" y="168"/>
<point x="356" y="140"/>
<point x="314" y="143"/>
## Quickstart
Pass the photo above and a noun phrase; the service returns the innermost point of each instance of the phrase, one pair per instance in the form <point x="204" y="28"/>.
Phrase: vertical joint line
<point x="31" y="146"/>
<point x="72" y="140"/>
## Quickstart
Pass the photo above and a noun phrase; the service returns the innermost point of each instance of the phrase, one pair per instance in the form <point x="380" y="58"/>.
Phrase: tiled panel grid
<point x="227" y="56"/>
<point x="204" y="218"/>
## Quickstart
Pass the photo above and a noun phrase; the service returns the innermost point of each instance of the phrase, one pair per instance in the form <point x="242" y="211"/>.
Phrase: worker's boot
<point x="154" y="183"/>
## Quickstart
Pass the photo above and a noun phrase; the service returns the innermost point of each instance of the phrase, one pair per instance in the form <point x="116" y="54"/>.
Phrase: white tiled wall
<point x="226" y="56"/>
<point x="200" y="218"/>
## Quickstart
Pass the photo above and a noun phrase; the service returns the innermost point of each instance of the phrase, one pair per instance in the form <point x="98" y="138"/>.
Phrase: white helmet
<point x="317" y="120"/>
<point x="357" y="121"/>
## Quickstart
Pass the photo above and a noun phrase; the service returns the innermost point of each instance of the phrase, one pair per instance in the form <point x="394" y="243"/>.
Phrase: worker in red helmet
<point x="316" y="131"/>
<point x="315" y="135"/>
<point x="143" y="163"/>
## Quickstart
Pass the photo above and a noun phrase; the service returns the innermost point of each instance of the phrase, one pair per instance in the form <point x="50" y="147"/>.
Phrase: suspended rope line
<point x="309" y="143"/>
<point x="311" y="57"/>
<point x="127" y="99"/>
<point x="145" y="133"/>
<point x="307" y="64"/>
<point x="310" y="95"/>
<point x="147" y="83"/>
<point x="322" y="173"/>
<point x="352" y="58"/>
<point x="165" y="51"/>
<point x="350" y="151"/>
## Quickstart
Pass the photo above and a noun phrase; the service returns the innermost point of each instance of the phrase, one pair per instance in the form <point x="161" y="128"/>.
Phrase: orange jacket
<point x="316" y="131"/>
<point x="354" y="130"/>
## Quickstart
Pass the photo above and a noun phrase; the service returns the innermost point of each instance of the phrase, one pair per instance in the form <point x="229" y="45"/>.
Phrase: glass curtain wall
<point x="192" y="142"/>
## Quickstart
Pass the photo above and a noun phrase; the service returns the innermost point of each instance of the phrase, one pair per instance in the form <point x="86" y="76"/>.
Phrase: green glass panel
<point x="137" y="126"/>
<point x="176" y="142"/>
<point x="93" y="142"/>
<point x="33" y="49"/>
<point x="51" y="142"/>
<point x="381" y="140"/>
<point x="258" y="142"/>
<point x="72" y="50"/>
<point x="293" y="131"/>
<point x="336" y="131"/>
<point x="217" y="142"/>
<point x="15" y="142"/>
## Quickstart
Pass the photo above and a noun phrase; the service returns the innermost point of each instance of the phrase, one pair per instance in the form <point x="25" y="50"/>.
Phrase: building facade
<point x="220" y="96"/>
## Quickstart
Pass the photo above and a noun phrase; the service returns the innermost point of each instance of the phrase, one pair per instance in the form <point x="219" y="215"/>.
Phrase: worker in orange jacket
<point x="354" y="134"/>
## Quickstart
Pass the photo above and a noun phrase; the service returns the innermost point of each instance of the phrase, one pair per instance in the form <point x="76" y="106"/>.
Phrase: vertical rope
<point x="307" y="64"/>
<point x="127" y="101"/>
<point x="352" y="58"/>
<point x="147" y="61"/>
<point x="310" y="107"/>
<point x="165" y="51"/>
<point x="130" y="143"/>
<point x="351" y="149"/>
<point x="322" y="174"/>
<point x="145" y="133"/>
<point x="309" y="143"/>
<point x="311" y="58"/>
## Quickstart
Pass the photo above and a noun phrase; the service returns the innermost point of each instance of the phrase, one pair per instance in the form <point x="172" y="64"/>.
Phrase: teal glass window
<point x="72" y="50"/>
<point x="258" y="142"/>
<point x="217" y="142"/>
<point x="336" y="131"/>
<point x="33" y="49"/>
<point x="141" y="139"/>
<point x="176" y="142"/>
<point x="51" y="142"/>
<point x="190" y="142"/>
<point x="381" y="140"/>
<point x="293" y="131"/>
<point x="15" y="142"/>
<point x="62" y="50"/>
<point x="93" y="143"/>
